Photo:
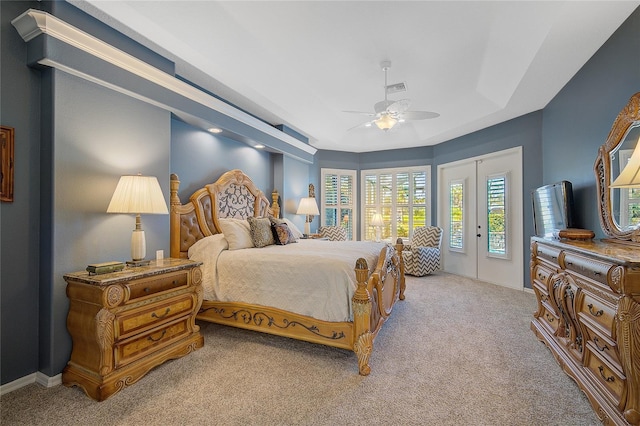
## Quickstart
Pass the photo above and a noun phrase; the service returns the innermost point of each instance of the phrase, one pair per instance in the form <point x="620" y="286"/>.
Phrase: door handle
<point x="478" y="235"/>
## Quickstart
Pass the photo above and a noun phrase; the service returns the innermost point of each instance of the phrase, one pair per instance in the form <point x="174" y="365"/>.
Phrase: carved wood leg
<point x="363" y="339"/>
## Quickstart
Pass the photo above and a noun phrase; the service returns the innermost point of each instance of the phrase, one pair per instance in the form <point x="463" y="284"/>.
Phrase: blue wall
<point x="577" y="121"/>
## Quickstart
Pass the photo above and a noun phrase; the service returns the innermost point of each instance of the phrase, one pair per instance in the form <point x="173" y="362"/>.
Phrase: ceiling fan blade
<point x="381" y="106"/>
<point x="370" y="114"/>
<point x="366" y="124"/>
<point x="419" y="115"/>
<point x="400" y="106"/>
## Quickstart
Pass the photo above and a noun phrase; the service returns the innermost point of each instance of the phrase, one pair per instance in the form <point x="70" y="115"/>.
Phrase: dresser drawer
<point x="588" y="268"/>
<point x="547" y="253"/>
<point x="548" y="318"/>
<point x="597" y="311"/>
<point x="138" y="320"/>
<point x="600" y="340"/>
<point x="138" y="346"/>
<point x="606" y="375"/>
<point x="542" y="274"/>
<point x="151" y="286"/>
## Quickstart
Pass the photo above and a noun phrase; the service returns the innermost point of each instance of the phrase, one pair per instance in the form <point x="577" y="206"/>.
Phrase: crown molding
<point x="33" y="23"/>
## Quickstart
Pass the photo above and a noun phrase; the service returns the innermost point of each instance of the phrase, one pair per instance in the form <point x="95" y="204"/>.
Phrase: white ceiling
<point x="303" y="63"/>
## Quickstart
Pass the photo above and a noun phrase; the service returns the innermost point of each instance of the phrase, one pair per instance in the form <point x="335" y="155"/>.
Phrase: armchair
<point x="422" y="256"/>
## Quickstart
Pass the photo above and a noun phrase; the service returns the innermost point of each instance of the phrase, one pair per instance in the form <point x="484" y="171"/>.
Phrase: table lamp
<point x="139" y="195"/>
<point x="629" y="177"/>
<point x="309" y="207"/>
<point x="377" y="222"/>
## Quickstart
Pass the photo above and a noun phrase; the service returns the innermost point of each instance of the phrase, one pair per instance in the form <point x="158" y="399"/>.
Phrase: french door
<point x="480" y="211"/>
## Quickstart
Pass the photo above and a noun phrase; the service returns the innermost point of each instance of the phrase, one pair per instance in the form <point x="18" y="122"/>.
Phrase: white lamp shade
<point x="308" y="206"/>
<point x="630" y="175"/>
<point x="138" y="194"/>
<point x="377" y="220"/>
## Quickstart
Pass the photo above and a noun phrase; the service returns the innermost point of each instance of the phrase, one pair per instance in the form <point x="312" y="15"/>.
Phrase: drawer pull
<point x="601" y="349"/>
<point x="608" y="379"/>
<point x="549" y="318"/>
<point x="596" y="313"/>
<point x="165" y="332"/>
<point x="596" y="273"/>
<point x="147" y="290"/>
<point x="161" y="316"/>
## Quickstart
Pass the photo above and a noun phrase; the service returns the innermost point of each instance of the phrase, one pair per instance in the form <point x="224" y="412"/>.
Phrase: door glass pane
<point x="496" y="215"/>
<point x="330" y="216"/>
<point x="386" y="216"/>
<point x="456" y="215"/>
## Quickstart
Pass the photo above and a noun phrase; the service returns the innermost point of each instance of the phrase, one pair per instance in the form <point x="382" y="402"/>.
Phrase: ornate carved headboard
<point x="233" y="195"/>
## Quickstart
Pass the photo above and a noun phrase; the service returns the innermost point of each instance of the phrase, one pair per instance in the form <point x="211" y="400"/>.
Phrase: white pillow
<point x="237" y="232"/>
<point x="293" y="228"/>
<point x="212" y="244"/>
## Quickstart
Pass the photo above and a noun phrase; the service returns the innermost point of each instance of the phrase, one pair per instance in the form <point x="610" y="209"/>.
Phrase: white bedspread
<point x="311" y="277"/>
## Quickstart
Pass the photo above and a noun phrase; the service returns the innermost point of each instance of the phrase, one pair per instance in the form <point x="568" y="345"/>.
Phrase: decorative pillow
<point x="294" y="229"/>
<point x="282" y="234"/>
<point x="237" y="233"/>
<point x="260" y="229"/>
<point x="333" y="233"/>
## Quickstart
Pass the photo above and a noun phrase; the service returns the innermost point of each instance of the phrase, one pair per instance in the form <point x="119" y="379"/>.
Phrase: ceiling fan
<point x="388" y="113"/>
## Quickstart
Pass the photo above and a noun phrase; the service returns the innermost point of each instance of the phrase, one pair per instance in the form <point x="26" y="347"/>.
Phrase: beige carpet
<point x="455" y="352"/>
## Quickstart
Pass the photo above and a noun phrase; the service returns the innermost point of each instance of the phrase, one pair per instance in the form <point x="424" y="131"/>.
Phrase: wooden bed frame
<point x="372" y="302"/>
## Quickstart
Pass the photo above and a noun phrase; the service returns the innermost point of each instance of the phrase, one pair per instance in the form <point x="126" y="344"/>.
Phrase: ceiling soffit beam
<point x="179" y="97"/>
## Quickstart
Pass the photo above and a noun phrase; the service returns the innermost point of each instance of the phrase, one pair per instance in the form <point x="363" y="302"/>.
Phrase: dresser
<point x="588" y="315"/>
<point x="125" y="323"/>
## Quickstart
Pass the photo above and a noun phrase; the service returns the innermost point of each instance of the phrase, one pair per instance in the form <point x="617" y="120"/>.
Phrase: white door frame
<point x="507" y="271"/>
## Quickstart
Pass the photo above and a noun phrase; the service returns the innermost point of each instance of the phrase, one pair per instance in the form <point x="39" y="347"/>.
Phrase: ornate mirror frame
<point x="628" y="117"/>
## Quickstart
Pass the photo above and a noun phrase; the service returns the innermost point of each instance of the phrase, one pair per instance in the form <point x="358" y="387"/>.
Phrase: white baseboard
<point x="529" y="290"/>
<point x="40" y="378"/>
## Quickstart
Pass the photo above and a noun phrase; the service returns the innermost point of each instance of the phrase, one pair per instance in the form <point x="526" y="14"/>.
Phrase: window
<point x="456" y="215"/>
<point x="497" y="215"/>
<point x="401" y="196"/>
<point x="338" y="199"/>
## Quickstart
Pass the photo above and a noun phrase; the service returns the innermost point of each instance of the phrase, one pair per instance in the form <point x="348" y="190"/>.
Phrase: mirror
<point x="619" y="207"/>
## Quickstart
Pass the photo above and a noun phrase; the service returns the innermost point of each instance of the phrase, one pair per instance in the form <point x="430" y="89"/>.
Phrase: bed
<point x="301" y="290"/>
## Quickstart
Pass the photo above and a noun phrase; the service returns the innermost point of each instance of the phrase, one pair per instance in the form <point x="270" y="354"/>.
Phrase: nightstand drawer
<point x="138" y="320"/>
<point x="148" y="287"/>
<point x="138" y="346"/>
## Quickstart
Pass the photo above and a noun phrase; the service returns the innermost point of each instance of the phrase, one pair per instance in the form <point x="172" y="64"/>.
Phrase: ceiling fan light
<point x="385" y="122"/>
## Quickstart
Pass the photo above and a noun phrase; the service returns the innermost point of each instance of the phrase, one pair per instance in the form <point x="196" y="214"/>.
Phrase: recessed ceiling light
<point x="214" y="130"/>
<point x="259" y="146"/>
<point x="367" y="124"/>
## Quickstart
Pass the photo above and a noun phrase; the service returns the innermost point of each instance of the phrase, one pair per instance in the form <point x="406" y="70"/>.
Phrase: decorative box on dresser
<point x="588" y="315"/>
<point x="125" y="323"/>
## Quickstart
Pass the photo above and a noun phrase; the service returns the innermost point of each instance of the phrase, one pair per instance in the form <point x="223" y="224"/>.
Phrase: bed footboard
<point x="374" y="299"/>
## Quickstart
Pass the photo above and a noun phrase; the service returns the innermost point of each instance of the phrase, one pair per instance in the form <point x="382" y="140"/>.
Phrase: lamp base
<point x="307" y="229"/>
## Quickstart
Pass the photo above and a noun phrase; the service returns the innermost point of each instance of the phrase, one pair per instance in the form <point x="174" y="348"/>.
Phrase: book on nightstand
<point x="105" y="268"/>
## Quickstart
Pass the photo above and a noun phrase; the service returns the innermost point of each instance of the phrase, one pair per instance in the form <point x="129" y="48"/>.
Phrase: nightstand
<point x="125" y="323"/>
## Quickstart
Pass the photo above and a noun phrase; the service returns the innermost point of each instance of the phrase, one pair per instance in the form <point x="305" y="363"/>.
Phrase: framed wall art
<point x="6" y="162"/>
